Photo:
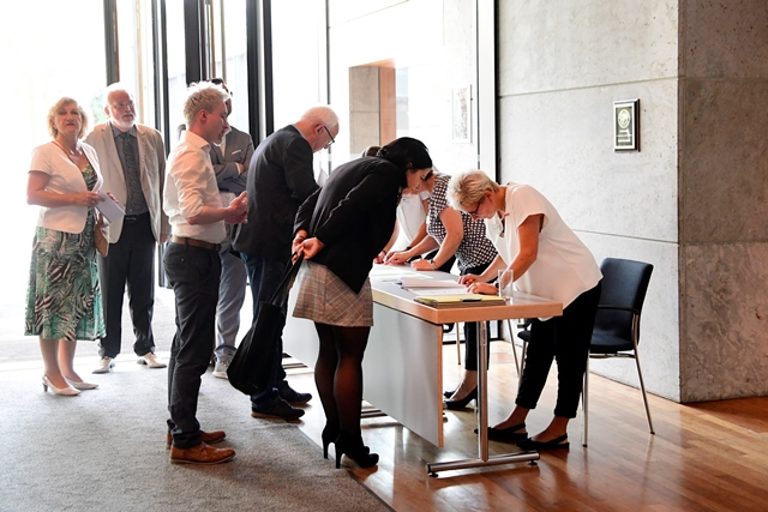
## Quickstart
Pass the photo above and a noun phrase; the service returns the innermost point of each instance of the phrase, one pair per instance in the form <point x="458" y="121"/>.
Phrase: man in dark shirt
<point x="280" y="178"/>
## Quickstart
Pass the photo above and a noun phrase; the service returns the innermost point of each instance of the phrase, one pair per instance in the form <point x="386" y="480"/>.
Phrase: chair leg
<point x="645" y="397"/>
<point x="585" y="406"/>
<point x="514" y="348"/>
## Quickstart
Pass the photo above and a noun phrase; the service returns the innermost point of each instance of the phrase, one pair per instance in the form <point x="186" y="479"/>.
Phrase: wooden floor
<point x="704" y="457"/>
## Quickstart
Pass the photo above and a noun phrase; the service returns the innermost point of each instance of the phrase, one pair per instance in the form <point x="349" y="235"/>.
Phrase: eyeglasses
<point x="329" y="136"/>
<point x="473" y="213"/>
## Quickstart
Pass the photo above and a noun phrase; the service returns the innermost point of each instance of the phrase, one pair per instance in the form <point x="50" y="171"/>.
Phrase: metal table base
<point x="483" y="458"/>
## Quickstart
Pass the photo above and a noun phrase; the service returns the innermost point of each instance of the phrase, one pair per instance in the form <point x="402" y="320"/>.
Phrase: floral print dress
<point x="64" y="295"/>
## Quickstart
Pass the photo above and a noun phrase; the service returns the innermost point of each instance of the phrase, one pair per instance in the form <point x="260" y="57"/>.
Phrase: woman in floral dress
<point x="64" y="296"/>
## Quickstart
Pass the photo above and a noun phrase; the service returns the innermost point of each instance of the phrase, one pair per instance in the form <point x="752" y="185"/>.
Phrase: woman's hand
<point x="468" y="279"/>
<point x="86" y="198"/>
<point x="482" y="288"/>
<point x="310" y="247"/>
<point x="423" y="264"/>
<point x="397" y="257"/>
<point x="379" y="259"/>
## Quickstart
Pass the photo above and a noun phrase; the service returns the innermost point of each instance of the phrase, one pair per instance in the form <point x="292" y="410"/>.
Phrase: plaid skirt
<point x="326" y="299"/>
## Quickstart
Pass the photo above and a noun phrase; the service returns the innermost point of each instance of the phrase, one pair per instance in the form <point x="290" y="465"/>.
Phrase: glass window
<point x="39" y="72"/>
<point x="177" y="68"/>
<point x="230" y="56"/>
<point x="134" y="30"/>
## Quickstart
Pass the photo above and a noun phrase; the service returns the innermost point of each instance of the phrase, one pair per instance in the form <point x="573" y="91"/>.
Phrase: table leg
<point x="482" y="421"/>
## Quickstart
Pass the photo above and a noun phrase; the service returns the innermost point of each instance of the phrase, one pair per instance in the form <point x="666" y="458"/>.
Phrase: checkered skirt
<point x="326" y="299"/>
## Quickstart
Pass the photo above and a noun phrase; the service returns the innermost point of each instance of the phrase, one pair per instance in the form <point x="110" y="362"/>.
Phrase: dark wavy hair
<point x="407" y="152"/>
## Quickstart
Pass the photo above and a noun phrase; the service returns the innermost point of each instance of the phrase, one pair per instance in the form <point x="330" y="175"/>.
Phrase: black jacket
<point x="353" y="215"/>
<point x="280" y="178"/>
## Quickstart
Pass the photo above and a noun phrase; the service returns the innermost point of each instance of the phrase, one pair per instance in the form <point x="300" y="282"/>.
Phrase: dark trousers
<point x="471" y="329"/>
<point x="194" y="275"/>
<point x="565" y="339"/>
<point x="264" y="275"/>
<point x="129" y="262"/>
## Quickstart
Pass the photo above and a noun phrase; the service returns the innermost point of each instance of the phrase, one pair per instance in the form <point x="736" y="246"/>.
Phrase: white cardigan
<point x="65" y="177"/>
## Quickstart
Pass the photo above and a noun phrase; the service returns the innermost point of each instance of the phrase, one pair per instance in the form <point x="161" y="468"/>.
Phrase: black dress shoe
<point x="448" y="394"/>
<point x="292" y="396"/>
<point x="462" y="402"/>
<point x="508" y="435"/>
<point x="277" y="408"/>
<point x="530" y="445"/>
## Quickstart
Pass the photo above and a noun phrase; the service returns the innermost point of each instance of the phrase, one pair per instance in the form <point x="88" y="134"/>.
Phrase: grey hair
<point x="202" y="96"/>
<point x="468" y="188"/>
<point x="116" y="87"/>
<point x="55" y="108"/>
<point x="322" y="114"/>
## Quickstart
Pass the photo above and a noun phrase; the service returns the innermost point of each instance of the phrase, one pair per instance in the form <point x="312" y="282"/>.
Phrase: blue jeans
<point x="264" y="275"/>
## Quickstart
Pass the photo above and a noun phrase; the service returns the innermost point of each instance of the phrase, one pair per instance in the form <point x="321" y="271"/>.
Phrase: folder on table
<point x="460" y="300"/>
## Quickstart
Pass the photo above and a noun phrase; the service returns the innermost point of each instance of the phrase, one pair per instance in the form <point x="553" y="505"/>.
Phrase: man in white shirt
<point x="197" y="217"/>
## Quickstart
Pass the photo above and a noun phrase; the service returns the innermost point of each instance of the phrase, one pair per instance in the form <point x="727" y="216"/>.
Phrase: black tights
<point x="339" y="373"/>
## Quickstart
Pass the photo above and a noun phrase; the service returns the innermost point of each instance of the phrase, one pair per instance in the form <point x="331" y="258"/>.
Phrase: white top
<point x="410" y="217"/>
<point x="65" y="178"/>
<point x="190" y="185"/>
<point x="564" y="267"/>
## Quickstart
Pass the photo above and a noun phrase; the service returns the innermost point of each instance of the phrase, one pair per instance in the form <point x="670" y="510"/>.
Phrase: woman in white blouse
<point x="64" y="296"/>
<point x="546" y="259"/>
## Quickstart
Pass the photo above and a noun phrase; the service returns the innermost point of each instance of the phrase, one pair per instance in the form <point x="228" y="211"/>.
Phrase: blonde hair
<point x="468" y="188"/>
<point x="202" y="96"/>
<point x="55" y="108"/>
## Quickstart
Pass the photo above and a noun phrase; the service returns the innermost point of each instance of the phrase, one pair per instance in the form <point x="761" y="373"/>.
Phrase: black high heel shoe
<point x="352" y="446"/>
<point x="461" y="403"/>
<point x="329" y="435"/>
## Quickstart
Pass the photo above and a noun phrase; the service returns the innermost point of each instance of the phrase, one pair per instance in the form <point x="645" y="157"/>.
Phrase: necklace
<point x="73" y="155"/>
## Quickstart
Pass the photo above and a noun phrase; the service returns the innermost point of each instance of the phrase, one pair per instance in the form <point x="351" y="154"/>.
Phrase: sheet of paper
<point x="417" y="281"/>
<point x="110" y="208"/>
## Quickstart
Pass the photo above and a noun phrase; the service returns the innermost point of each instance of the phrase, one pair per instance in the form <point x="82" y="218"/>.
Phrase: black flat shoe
<point x="448" y="394"/>
<point x="530" y="445"/>
<point x="462" y="402"/>
<point x="508" y="435"/>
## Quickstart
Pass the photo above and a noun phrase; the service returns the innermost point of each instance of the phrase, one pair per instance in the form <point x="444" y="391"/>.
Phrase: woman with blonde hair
<point x="64" y="296"/>
<point x="546" y="259"/>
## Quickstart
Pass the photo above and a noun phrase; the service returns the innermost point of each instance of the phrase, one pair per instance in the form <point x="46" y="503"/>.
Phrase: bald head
<point x="320" y="126"/>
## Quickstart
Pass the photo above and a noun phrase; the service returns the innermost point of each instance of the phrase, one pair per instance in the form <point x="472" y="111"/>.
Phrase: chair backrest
<point x="624" y="285"/>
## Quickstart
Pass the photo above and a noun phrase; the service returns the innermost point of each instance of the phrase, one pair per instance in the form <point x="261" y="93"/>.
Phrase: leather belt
<point x="192" y="242"/>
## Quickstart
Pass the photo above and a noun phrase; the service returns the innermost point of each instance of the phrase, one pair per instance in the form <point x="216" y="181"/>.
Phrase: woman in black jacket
<point x="340" y="229"/>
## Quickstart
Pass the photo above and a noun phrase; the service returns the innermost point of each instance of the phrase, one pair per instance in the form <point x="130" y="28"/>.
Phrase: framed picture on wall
<point x="461" y="114"/>
<point x="626" y="125"/>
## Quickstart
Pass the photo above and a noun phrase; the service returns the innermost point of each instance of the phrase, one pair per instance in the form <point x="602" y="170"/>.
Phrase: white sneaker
<point x="220" y="370"/>
<point x="150" y="359"/>
<point x="105" y="364"/>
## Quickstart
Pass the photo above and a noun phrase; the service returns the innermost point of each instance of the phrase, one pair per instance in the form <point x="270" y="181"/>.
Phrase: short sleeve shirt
<point x="564" y="267"/>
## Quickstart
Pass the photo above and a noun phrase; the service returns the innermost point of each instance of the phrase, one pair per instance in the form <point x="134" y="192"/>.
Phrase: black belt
<point x="192" y="242"/>
<point x="134" y="218"/>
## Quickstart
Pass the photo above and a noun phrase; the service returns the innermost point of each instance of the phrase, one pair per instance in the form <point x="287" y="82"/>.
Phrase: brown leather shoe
<point x="214" y="437"/>
<point x="201" y="454"/>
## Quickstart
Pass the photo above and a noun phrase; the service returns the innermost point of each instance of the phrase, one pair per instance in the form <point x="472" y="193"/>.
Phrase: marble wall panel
<point x="724" y="319"/>
<point x="723" y="163"/>
<point x="659" y="341"/>
<point x="562" y="143"/>
<point x="566" y="44"/>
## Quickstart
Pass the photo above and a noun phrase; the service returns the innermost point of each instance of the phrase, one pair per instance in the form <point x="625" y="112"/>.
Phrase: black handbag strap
<point x="280" y="296"/>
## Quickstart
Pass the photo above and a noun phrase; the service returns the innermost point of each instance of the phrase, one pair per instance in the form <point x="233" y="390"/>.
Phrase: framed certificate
<point x="626" y="134"/>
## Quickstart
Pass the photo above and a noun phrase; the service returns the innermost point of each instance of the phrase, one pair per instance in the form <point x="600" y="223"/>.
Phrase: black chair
<point x="617" y="324"/>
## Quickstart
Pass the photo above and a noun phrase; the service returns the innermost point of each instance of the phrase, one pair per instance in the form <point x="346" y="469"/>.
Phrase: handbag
<point x="251" y="369"/>
<point x="100" y="235"/>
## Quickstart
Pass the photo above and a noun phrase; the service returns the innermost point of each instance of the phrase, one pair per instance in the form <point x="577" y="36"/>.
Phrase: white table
<point x="403" y="369"/>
